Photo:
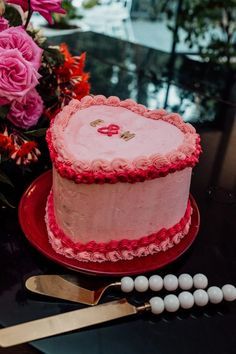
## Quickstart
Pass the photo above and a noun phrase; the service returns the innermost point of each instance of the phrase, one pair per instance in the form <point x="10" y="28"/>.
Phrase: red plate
<point x="31" y="216"/>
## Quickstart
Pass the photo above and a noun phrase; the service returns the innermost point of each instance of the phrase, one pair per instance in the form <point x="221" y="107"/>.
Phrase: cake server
<point x="77" y="319"/>
<point x="69" y="288"/>
<point x="61" y="287"/>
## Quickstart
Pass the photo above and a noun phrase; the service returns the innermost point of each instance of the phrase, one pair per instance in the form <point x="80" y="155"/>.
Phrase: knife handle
<point x="186" y="300"/>
<point x="170" y="282"/>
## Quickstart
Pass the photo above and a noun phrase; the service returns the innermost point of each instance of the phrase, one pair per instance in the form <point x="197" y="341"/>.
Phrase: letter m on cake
<point x="127" y="135"/>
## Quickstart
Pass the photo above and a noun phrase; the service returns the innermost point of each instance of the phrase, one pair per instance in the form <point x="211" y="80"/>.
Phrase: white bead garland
<point x="215" y="294"/>
<point x="127" y="284"/>
<point x="229" y="292"/>
<point x="185" y="281"/>
<point x="200" y="297"/>
<point x="186" y="300"/>
<point x="156" y="283"/>
<point x="170" y="282"/>
<point x="141" y="283"/>
<point x="200" y="281"/>
<point x="171" y="303"/>
<point x="157" y="305"/>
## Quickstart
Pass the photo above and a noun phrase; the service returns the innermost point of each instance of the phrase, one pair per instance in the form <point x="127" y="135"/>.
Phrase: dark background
<point x="205" y="94"/>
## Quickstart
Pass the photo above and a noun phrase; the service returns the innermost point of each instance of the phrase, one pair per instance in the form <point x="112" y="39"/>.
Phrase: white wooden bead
<point x="127" y="284"/>
<point x="229" y="292"/>
<point x="170" y="282"/>
<point x="157" y="305"/>
<point x="155" y="283"/>
<point x="200" y="297"/>
<point x="185" y="281"/>
<point x="200" y="281"/>
<point x="171" y="303"/>
<point x="141" y="283"/>
<point x="186" y="300"/>
<point x="215" y="294"/>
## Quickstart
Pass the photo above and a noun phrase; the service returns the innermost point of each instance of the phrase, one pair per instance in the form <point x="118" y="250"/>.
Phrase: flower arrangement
<point x="61" y="21"/>
<point x="36" y="80"/>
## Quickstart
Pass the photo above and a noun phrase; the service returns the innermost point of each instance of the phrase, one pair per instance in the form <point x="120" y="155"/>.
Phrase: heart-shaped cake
<point x="121" y="179"/>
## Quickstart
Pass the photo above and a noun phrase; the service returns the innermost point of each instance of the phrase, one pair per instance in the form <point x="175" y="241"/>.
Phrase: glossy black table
<point x="205" y="94"/>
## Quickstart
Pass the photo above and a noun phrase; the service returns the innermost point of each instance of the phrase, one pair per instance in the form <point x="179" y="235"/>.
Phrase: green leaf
<point x="5" y="201"/>
<point x="5" y="179"/>
<point x="4" y="111"/>
<point x="13" y="16"/>
<point x="36" y="132"/>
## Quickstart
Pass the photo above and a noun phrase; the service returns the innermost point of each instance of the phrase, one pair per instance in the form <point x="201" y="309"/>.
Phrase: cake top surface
<point x="96" y="133"/>
<point x="101" y="139"/>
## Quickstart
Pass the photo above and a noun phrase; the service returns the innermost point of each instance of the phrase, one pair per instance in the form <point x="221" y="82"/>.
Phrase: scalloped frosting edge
<point x="114" y="251"/>
<point x="122" y="170"/>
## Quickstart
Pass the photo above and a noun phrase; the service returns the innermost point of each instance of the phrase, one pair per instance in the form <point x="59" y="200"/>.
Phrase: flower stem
<point x="29" y="15"/>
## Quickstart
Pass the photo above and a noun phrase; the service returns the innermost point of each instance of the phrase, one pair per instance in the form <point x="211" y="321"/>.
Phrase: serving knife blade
<point x="66" y="322"/>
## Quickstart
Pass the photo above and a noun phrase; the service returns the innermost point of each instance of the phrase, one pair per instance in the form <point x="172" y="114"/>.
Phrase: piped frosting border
<point x="122" y="170"/>
<point x="114" y="250"/>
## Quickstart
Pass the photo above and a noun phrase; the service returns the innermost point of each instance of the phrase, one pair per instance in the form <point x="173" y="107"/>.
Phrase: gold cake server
<point x="66" y="322"/>
<point x="66" y="288"/>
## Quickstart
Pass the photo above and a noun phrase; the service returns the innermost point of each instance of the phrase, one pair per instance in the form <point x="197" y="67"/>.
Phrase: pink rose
<point x="17" y="37"/>
<point x="26" y="113"/>
<point x="44" y="7"/>
<point x="17" y="76"/>
<point x="3" y="101"/>
<point x="3" y="24"/>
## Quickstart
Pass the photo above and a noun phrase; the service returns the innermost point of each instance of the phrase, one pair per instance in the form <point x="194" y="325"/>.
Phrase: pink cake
<point x="121" y="179"/>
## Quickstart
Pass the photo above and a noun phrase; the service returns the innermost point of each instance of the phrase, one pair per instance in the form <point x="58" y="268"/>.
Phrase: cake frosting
<point x="121" y="179"/>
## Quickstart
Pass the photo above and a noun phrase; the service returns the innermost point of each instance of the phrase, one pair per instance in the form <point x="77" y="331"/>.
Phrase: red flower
<point x="81" y="89"/>
<point x="71" y="78"/>
<point x="14" y="146"/>
<point x="26" y="152"/>
<point x="6" y="144"/>
<point x="26" y="148"/>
